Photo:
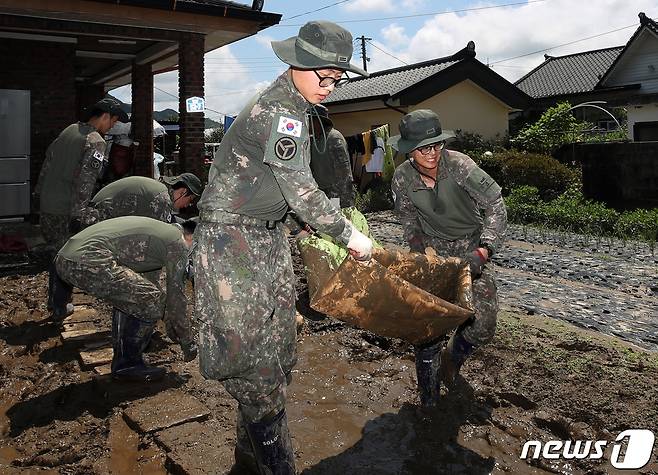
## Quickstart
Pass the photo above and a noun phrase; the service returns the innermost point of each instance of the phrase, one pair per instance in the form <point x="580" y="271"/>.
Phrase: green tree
<point x="557" y="126"/>
<point x="215" y="135"/>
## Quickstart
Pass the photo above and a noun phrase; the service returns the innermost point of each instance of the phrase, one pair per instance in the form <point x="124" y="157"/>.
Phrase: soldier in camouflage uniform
<point x="244" y="280"/>
<point x="447" y="203"/>
<point x="74" y="162"/>
<point x="330" y="161"/>
<point x="143" y="196"/>
<point x="119" y="260"/>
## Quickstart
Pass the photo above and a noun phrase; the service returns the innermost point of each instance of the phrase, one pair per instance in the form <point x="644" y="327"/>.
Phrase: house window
<point x="645" y="131"/>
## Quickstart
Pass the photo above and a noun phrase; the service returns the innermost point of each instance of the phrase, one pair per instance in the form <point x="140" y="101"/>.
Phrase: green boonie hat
<point x="417" y="129"/>
<point x="318" y="45"/>
<point x="112" y="107"/>
<point x="189" y="180"/>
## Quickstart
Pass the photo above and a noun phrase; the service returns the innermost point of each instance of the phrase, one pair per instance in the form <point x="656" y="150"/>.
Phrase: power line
<point x="464" y="10"/>
<point x="563" y="44"/>
<point x="385" y="52"/>
<point x="317" y="10"/>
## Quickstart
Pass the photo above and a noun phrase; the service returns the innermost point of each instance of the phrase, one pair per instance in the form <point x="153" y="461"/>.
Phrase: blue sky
<point x="510" y="35"/>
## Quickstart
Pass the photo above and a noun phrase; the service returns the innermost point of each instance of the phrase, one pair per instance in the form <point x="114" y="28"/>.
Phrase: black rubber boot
<point x="245" y="460"/>
<point x="427" y="373"/>
<point x="453" y="357"/>
<point x="130" y="337"/>
<point x="270" y="440"/>
<point x="59" y="295"/>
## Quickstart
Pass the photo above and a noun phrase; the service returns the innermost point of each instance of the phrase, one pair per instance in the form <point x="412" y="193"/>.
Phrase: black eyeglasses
<point x="437" y="147"/>
<point x="326" y="81"/>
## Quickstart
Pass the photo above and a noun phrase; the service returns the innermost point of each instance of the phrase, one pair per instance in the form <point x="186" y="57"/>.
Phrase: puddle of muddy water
<point x="362" y="417"/>
<point x="126" y="457"/>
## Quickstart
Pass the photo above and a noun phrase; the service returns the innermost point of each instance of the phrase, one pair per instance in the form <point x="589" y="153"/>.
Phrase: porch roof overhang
<point x="108" y="35"/>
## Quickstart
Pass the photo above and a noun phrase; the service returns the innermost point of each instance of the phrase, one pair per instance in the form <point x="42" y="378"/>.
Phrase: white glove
<point x="360" y="245"/>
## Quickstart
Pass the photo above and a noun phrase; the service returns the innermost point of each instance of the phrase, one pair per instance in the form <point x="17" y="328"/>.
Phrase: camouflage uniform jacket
<point x="134" y="196"/>
<point x="465" y="203"/>
<point x="143" y="245"/>
<point x="262" y="166"/>
<point x="74" y="162"/>
<point x="331" y="166"/>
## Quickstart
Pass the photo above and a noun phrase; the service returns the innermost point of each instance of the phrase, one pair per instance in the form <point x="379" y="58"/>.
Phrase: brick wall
<point x="624" y="175"/>
<point x="142" y="118"/>
<point x="47" y="70"/>
<point x="190" y="61"/>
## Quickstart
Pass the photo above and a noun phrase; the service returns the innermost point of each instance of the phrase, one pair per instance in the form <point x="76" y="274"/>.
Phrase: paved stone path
<point x="606" y="285"/>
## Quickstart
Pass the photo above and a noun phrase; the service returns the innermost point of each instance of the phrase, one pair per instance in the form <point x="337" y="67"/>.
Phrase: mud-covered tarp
<point x="416" y="297"/>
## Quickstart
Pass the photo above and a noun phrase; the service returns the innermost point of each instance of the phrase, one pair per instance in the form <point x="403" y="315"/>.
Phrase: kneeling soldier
<point x="119" y="260"/>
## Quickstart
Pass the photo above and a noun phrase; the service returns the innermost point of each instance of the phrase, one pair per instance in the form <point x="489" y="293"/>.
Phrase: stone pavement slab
<point x="164" y="410"/>
<point x="196" y="448"/>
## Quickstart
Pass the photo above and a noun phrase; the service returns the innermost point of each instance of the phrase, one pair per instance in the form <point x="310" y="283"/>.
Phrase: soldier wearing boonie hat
<point x="244" y="280"/>
<point x="144" y="196"/>
<point x="439" y="195"/>
<point x="74" y="162"/>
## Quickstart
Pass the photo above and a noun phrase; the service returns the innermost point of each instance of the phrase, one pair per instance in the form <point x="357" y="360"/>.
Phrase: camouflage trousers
<point x="245" y="306"/>
<point x="479" y="330"/>
<point x="55" y="230"/>
<point x="99" y="274"/>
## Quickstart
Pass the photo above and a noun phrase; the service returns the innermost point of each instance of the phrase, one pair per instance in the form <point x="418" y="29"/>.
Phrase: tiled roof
<point x="391" y="81"/>
<point x="571" y="74"/>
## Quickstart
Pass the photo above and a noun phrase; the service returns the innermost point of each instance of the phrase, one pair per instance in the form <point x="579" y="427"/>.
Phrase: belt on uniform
<point x="219" y="216"/>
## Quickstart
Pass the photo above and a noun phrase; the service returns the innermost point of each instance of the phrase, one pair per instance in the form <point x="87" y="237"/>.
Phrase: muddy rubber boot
<point x="453" y="357"/>
<point x="130" y="337"/>
<point x="245" y="460"/>
<point x="427" y="373"/>
<point x="272" y="446"/>
<point x="59" y="295"/>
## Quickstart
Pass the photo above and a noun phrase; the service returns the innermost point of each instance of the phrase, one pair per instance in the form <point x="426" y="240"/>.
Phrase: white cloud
<point x="369" y="6"/>
<point x="228" y="84"/>
<point x="502" y="33"/>
<point x="394" y="35"/>
<point x="358" y="6"/>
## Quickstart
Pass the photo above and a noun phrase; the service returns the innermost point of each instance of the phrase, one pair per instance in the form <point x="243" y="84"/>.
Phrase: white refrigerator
<point x="14" y="153"/>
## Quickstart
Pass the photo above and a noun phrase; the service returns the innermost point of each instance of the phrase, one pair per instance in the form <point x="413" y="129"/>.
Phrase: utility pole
<point x="363" y="51"/>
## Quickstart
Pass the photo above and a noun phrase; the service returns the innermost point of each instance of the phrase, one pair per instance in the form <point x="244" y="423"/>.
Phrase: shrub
<point x="377" y="197"/>
<point x="554" y="128"/>
<point x="512" y="169"/>
<point x="472" y="144"/>
<point x="523" y="205"/>
<point x="572" y="212"/>
<point x="638" y="224"/>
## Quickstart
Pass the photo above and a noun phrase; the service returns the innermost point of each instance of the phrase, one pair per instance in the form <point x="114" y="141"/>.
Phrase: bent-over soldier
<point x="74" y="162"/>
<point x="143" y="196"/>
<point x="119" y="260"/>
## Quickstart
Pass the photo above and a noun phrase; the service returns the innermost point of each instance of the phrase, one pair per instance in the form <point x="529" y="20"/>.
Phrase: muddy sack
<point x="412" y="296"/>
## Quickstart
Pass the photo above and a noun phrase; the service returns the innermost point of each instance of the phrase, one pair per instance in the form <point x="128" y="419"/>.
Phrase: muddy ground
<point x="352" y="403"/>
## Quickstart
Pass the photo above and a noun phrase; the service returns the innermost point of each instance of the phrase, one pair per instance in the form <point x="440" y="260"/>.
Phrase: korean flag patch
<point x="288" y="126"/>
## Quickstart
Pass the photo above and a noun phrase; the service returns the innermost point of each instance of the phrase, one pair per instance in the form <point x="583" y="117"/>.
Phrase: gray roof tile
<point x="389" y="82"/>
<point x="571" y="74"/>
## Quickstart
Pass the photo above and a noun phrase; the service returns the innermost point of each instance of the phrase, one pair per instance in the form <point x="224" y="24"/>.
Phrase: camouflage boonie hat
<point x="318" y="45"/>
<point x="417" y="129"/>
<point x="112" y="107"/>
<point x="188" y="180"/>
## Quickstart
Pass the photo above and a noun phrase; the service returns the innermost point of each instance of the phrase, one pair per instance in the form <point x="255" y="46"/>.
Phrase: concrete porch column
<point x="142" y="118"/>
<point x="190" y="84"/>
